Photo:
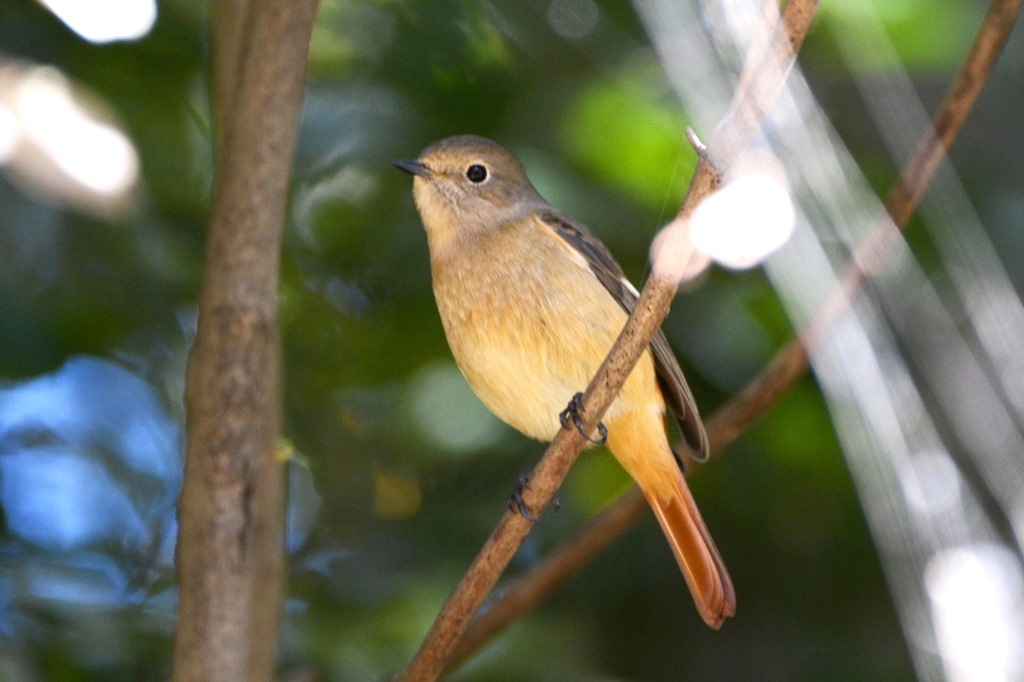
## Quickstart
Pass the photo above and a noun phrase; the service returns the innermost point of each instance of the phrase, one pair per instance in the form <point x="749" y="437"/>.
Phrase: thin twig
<point x="771" y="56"/>
<point x="778" y="376"/>
<point x="650" y="311"/>
<point x="527" y="592"/>
<point x="958" y="103"/>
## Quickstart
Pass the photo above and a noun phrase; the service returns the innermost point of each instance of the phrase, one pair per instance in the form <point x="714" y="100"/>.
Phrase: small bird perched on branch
<point x="531" y="302"/>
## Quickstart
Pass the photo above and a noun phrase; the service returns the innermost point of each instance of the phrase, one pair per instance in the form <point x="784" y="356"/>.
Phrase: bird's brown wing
<point x="670" y="375"/>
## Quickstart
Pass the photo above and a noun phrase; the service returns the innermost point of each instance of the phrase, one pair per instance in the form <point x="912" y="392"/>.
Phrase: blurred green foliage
<point x="402" y="473"/>
<point x="628" y="133"/>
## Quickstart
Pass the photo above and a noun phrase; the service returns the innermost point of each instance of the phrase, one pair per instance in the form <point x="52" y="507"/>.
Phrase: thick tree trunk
<point x="230" y="551"/>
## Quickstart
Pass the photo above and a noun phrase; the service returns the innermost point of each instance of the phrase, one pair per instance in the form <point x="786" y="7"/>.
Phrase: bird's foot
<point x="516" y="502"/>
<point x="573" y="412"/>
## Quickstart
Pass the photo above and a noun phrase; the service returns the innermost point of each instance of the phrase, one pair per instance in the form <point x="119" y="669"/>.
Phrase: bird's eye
<point x="476" y="173"/>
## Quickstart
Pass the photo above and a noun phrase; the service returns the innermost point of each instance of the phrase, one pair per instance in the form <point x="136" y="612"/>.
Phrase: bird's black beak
<point x="413" y="168"/>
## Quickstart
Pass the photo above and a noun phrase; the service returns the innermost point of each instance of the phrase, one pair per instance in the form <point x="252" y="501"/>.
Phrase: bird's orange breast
<point x="529" y="326"/>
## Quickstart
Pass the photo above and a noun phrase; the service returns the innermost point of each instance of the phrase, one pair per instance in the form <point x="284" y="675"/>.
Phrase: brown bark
<point x="230" y="555"/>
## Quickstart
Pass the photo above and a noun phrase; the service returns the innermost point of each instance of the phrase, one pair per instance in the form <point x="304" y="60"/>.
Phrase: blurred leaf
<point x="950" y="30"/>
<point x="631" y="135"/>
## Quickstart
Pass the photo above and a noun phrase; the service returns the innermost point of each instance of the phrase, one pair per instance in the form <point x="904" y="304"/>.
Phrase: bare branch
<point x="958" y="103"/>
<point x="769" y="60"/>
<point x="526" y="593"/>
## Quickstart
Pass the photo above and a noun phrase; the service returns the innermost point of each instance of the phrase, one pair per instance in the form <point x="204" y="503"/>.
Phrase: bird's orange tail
<point x="637" y="439"/>
<point x="695" y="551"/>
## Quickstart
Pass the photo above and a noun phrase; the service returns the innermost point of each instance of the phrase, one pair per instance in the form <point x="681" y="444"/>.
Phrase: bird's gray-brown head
<point x="466" y="184"/>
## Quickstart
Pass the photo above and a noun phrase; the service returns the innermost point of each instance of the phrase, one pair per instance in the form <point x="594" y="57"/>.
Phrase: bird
<point x="531" y="303"/>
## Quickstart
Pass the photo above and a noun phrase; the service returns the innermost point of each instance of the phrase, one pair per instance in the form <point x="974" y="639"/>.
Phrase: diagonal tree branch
<point x="651" y="309"/>
<point x="788" y="364"/>
<point x="958" y="103"/>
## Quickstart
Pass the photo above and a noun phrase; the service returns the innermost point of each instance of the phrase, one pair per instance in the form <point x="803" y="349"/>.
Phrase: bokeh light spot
<point x="105" y="21"/>
<point x="742" y="223"/>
